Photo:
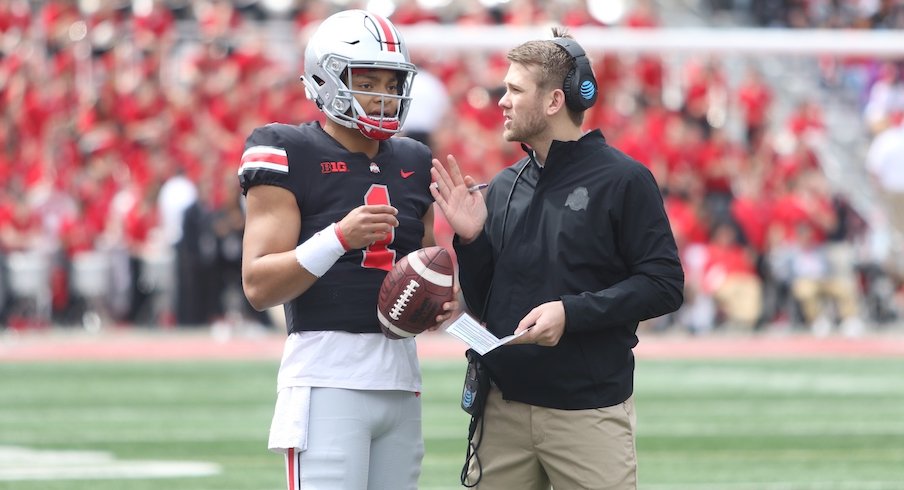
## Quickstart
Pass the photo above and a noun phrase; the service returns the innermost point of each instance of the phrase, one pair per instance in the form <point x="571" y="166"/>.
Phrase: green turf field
<point x="703" y="425"/>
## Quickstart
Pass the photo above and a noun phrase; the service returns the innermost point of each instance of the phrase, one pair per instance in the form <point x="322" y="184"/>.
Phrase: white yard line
<point x="21" y="463"/>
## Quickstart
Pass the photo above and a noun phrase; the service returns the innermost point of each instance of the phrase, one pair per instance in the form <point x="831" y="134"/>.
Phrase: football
<point x="413" y="293"/>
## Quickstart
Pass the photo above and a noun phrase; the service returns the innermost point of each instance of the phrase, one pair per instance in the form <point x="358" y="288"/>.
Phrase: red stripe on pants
<point x="290" y="463"/>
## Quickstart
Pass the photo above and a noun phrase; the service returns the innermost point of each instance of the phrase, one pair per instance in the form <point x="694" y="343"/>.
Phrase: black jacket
<point x="590" y="230"/>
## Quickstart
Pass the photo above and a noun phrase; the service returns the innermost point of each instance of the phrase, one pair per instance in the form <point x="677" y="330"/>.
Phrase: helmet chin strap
<point x="386" y="128"/>
<point x="375" y="129"/>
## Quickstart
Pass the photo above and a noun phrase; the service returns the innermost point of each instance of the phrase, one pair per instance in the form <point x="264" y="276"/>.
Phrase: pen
<point x="473" y="188"/>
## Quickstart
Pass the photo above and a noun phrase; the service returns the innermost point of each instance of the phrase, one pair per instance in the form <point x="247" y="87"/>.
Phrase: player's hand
<point x="546" y="323"/>
<point x="465" y="211"/>
<point x="367" y="224"/>
<point x="451" y="309"/>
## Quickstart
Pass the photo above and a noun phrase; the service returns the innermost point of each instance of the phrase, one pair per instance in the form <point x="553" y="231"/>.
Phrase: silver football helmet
<point x="356" y="39"/>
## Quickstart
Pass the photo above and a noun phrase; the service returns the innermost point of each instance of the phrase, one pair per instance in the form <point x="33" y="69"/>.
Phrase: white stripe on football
<point x="392" y="328"/>
<point x="444" y="280"/>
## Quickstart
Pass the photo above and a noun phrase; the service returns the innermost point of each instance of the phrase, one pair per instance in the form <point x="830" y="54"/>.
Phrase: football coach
<point x="571" y="242"/>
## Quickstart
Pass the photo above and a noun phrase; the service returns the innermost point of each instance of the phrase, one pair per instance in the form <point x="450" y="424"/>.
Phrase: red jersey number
<point x="378" y="255"/>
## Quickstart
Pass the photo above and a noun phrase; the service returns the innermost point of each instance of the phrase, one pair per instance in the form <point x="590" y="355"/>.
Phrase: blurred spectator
<point x="705" y="95"/>
<point x="177" y="193"/>
<point x="821" y="290"/>
<point x="819" y="276"/>
<point x="429" y="106"/>
<point x="199" y="287"/>
<point x="410" y="12"/>
<point x="21" y="228"/>
<point x="649" y="72"/>
<point x="20" y="231"/>
<point x="885" y="102"/>
<point x="140" y="222"/>
<point x="755" y="100"/>
<point x="889" y="14"/>
<point x="642" y="15"/>
<point x="729" y="275"/>
<point x="885" y="162"/>
<point x="769" y="13"/>
<point x="806" y="118"/>
<point x="878" y="14"/>
<point x="228" y="224"/>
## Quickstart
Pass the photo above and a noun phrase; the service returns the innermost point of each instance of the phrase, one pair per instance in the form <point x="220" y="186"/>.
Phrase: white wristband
<point x="318" y="253"/>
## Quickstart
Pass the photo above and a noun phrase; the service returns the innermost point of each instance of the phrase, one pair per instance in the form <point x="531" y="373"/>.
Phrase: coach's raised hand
<point x="465" y="211"/>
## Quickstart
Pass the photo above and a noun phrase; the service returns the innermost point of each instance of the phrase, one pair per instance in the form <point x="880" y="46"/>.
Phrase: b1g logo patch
<point x="333" y="167"/>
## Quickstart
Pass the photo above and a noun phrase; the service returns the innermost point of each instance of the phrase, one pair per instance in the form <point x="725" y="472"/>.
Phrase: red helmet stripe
<point x="388" y="34"/>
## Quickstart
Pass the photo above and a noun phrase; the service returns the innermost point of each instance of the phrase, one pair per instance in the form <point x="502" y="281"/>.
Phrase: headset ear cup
<point x="586" y="91"/>
<point x="568" y="88"/>
<point x="579" y="85"/>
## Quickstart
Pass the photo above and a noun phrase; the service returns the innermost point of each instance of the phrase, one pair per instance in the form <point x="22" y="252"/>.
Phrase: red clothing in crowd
<point x="14" y="15"/>
<point x="718" y="163"/>
<point x="791" y="212"/>
<point x="139" y="221"/>
<point x="753" y="215"/>
<point x="788" y="167"/>
<point x="19" y="226"/>
<point x="641" y="16"/>
<point x="77" y="234"/>
<point x="686" y="222"/>
<point x="755" y="99"/>
<point x="154" y="23"/>
<point x="806" y="117"/>
<point x="724" y="260"/>
<point x="635" y="142"/>
<point x="650" y="73"/>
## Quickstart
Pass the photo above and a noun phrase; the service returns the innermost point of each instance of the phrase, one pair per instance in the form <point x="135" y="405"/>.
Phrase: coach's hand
<point x="465" y="210"/>
<point x="546" y="323"/>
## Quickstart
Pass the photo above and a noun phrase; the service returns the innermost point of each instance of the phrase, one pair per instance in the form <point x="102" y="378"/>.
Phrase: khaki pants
<point x="741" y="298"/>
<point x="810" y="293"/>
<point x="894" y="210"/>
<point x="525" y="447"/>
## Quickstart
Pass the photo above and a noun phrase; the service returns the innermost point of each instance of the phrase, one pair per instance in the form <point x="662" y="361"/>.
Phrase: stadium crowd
<point x="807" y="14"/>
<point x="121" y="132"/>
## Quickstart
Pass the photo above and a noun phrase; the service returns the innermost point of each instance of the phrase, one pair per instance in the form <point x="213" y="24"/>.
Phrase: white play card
<point x="469" y="330"/>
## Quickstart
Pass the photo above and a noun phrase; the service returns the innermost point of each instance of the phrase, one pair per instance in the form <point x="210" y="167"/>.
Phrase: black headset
<point x="579" y="86"/>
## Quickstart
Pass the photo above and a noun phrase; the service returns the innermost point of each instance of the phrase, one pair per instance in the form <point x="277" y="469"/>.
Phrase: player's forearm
<point x="275" y="279"/>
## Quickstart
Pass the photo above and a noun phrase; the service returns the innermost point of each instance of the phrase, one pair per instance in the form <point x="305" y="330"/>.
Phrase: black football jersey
<point x="328" y="181"/>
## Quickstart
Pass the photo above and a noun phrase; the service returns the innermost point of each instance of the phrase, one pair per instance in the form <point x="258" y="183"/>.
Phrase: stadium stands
<point x="104" y="105"/>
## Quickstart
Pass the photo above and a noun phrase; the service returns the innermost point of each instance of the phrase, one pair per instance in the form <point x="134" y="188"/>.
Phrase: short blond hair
<point x="550" y="62"/>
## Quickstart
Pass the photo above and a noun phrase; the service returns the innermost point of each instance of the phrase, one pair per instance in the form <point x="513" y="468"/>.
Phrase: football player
<point x="330" y="207"/>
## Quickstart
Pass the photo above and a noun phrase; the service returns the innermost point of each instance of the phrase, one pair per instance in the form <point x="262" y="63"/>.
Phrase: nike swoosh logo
<point x="405" y="174"/>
